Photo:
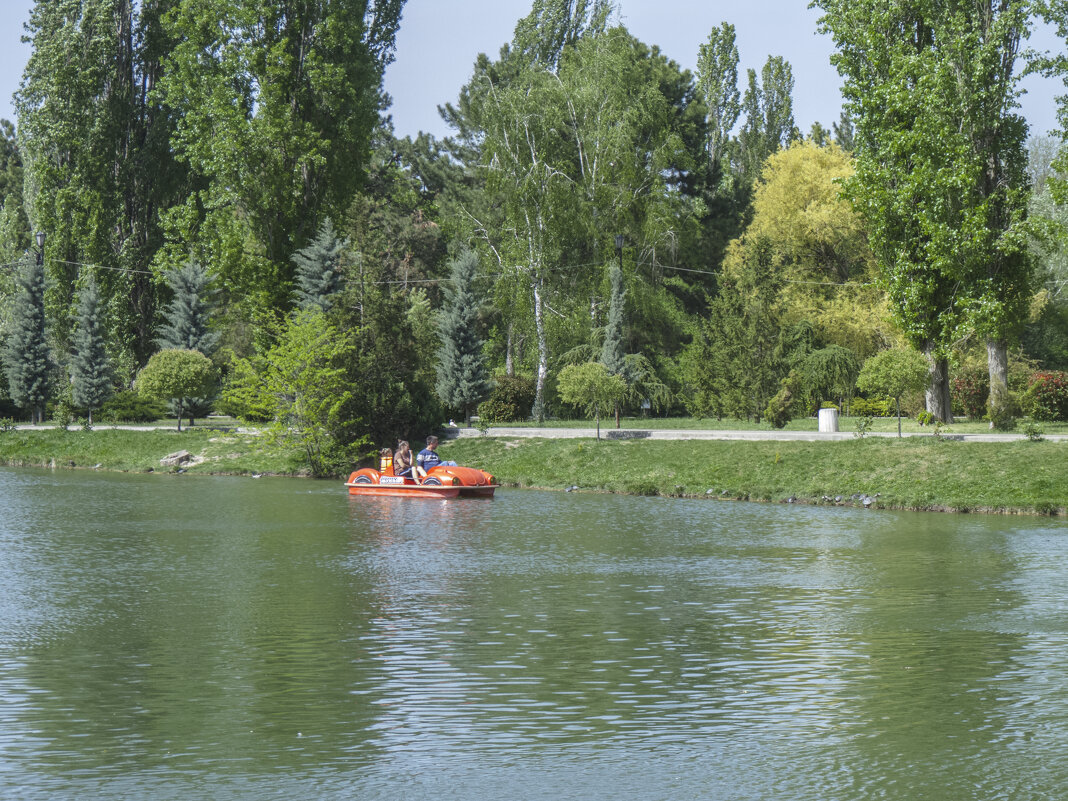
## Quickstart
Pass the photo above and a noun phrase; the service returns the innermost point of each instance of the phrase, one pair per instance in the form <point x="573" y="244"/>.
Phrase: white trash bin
<point x="828" y="421"/>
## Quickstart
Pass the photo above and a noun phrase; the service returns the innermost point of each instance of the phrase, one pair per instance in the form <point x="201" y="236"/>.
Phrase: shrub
<point x="6" y="425"/>
<point x="129" y="407"/>
<point x="1047" y="396"/>
<point x="969" y="391"/>
<point x="873" y="407"/>
<point x="510" y="400"/>
<point x="779" y="410"/>
<point x="924" y="418"/>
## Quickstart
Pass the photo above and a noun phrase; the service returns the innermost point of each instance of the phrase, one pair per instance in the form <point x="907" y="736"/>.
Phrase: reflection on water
<point x="278" y="639"/>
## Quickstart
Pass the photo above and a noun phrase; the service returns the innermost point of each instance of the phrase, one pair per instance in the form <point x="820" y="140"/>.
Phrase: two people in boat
<point x="404" y="465"/>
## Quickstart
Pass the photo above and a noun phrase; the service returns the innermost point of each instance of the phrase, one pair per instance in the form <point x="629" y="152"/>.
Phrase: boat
<point x="443" y="481"/>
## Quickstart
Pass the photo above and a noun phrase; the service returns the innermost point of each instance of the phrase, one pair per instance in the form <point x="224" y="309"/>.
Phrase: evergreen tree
<point x="189" y="313"/>
<point x="612" y="351"/>
<point x="27" y="361"/>
<point x="90" y="370"/>
<point x="319" y="276"/>
<point x="187" y="324"/>
<point x="463" y="378"/>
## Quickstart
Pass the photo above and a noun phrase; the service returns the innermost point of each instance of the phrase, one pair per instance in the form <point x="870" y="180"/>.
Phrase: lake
<point x="177" y="637"/>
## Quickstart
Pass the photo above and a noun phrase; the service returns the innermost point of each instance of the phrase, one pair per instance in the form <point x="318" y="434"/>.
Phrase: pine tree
<point x="463" y="378"/>
<point x="187" y="319"/>
<point x="90" y="371"/>
<point x="27" y="361"/>
<point x="612" y="351"/>
<point x="189" y="312"/>
<point x="319" y="276"/>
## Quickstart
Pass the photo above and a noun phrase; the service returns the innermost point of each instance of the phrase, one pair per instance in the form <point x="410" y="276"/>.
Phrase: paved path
<point x="695" y="434"/>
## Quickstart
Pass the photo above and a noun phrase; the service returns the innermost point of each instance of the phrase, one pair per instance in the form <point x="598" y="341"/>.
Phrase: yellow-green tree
<point x="819" y="247"/>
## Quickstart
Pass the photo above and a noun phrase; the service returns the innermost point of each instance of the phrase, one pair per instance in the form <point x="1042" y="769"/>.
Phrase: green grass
<point x="1028" y="477"/>
<point x="140" y="451"/>
<point x="879" y="424"/>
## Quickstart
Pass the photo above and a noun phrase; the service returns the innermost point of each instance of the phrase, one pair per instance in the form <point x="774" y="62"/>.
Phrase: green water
<point x="176" y="637"/>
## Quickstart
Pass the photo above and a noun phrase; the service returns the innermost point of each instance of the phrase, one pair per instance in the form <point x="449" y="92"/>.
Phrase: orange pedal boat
<point x="442" y="481"/>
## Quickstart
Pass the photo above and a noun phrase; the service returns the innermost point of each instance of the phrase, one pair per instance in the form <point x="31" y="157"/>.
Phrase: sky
<point x="440" y="39"/>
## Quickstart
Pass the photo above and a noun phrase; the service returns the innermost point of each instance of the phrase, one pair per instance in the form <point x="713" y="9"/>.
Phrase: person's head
<point x="385" y="452"/>
<point x="432" y="442"/>
<point x="402" y="445"/>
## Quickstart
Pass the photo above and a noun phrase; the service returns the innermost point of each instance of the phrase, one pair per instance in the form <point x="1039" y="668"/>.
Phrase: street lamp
<point x="619" y="249"/>
<point x="40" y="237"/>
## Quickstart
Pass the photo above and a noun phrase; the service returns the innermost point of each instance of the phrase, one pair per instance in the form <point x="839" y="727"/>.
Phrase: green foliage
<point x="303" y="381"/>
<point x="27" y="359"/>
<point x="319" y="274"/>
<point x="128" y="406"/>
<point x="830" y="372"/>
<point x="90" y="369"/>
<point x="780" y="408"/>
<point x="591" y="387"/>
<point x="769" y="115"/>
<point x="734" y="366"/>
<point x="871" y="407"/>
<point x="1046" y="398"/>
<point x="97" y="156"/>
<point x="940" y="177"/>
<point x="172" y="375"/>
<point x="895" y="373"/>
<point x="274" y="106"/>
<point x="463" y="378"/>
<point x="612" y="350"/>
<point x="509" y="400"/>
<point x="717" y="85"/>
<point x="1033" y="431"/>
<point x="188" y="315"/>
<point x="7" y="425"/>
<point x="969" y="389"/>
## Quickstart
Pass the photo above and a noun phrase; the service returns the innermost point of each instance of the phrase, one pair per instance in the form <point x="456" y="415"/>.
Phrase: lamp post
<point x="619" y="250"/>
<point x="40" y="237"/>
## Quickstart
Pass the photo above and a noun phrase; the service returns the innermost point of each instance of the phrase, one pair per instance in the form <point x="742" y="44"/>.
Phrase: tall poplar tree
<point x="90" y="370"/>
<point x="768" y="106"/>
<point x="717" y="84"/>
<point x="28" y="361"/>
<point x="276" y="101"/>
<point x="940" y="174"/>
<point x="99" y="167"/>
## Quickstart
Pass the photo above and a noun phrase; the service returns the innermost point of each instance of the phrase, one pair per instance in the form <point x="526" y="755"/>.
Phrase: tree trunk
<point x="997" y="357"/>
<point x="937" y="393"/>
<point x="509" y="366"/>
<point x="538" y="412"/>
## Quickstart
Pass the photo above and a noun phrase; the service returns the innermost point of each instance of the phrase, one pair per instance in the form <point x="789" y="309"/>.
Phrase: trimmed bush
<point x="970" y="390"/>
<point x="1047" y="396"/>
<point x="510" y="400"/>
<point x="129" y="407"/>
<point x="873" y="407"/>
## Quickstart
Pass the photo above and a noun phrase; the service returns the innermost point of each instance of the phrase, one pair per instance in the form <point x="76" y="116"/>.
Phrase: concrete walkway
<point x="709" y="434"/>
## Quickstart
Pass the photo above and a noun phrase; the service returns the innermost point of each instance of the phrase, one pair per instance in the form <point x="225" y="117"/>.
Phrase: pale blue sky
<point x="439" y="40"/>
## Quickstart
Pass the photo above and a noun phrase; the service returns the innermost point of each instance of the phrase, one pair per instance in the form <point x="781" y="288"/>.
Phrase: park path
<point x="528" y="432"/>
<point x="716" y="434"/>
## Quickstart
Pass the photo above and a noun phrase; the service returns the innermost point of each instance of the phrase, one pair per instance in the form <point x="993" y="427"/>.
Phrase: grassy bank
<point x="1019" y="477"/>
<point x="141" y="451"/>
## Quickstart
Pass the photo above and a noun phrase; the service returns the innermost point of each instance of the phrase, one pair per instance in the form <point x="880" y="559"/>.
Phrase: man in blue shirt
<point x="428" y="457"/>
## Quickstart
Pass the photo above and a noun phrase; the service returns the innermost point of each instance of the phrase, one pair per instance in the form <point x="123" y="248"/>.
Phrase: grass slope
<point x="1028" y="477"/>
<point x="140" y="451"/>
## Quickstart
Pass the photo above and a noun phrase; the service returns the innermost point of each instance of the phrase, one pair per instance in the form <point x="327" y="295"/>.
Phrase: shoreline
<point x="911" y="474"/>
